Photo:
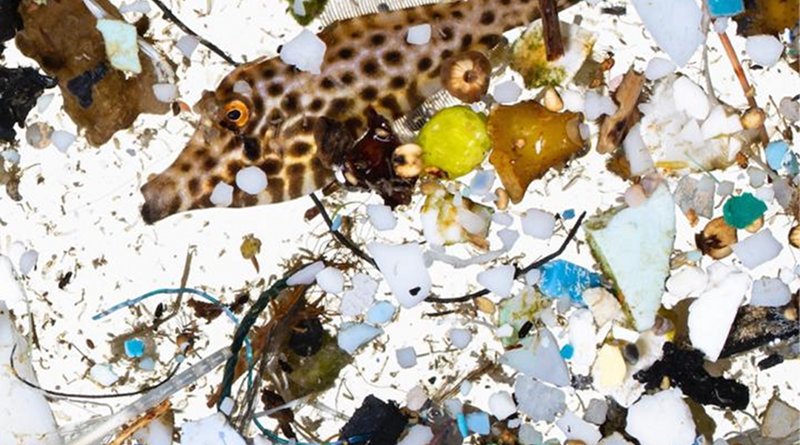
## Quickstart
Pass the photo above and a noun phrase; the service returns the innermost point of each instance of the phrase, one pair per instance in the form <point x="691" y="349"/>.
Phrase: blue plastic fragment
<point x="568" y="214"/>
<point x="567" y="351"/>
<point x="337" y="223"/>
<point x="776" y="152"/>
<point x="564" y="279"/>
<point x="134" y="347"/>
<point x="725" y="8"/>
<point x="461" y="421"/>
<point x="478" y="423"/>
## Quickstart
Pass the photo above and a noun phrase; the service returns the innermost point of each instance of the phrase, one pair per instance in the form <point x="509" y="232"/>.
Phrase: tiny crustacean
<point x="264" y="113"/>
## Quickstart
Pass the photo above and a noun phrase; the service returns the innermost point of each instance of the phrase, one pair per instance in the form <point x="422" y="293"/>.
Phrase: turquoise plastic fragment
<point x="478" y="423"/>
<point x="741" y="211"/>
<point x="568" y="214"/>
<point x="134" y="348"/>
<point x="567" y="351"/>
<point x="776" y="152"/>
<point x="725" y="8"/>
<point x="564" y="279"/>
<point x="461" y="421"/>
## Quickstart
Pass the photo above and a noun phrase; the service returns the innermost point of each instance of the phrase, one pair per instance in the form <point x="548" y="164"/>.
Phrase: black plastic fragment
<point x="375" y="422"/>
<point x="756" y="326"/>
<point x="19" y="89"/>
<point x="81" y="86"/>
<point x="769" y="362"/>
<point x="684" y="368"/>
<point x="306" y="338"/>
<point x="10" y="20"/>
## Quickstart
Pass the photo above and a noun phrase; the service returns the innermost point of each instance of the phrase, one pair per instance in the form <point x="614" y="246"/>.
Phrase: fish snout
<point x="161" y="199"/>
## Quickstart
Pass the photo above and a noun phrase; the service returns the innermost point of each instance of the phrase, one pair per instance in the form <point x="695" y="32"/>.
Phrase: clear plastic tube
<point x="149" y="400"/>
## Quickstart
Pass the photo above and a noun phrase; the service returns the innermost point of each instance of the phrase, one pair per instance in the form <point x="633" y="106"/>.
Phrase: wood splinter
<point x="615" y="127"/>
<point x="553" y="44"/>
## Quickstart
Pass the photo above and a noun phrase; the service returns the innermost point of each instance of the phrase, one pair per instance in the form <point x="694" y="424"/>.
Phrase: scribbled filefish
<point x="264" y="113"/>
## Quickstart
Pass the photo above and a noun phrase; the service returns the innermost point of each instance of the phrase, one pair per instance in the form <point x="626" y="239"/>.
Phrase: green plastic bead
<point x="454" y="140"/>
<point x="741" y="211"/>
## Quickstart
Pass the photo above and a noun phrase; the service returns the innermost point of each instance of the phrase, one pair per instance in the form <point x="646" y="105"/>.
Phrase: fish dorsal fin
<point x="338" y="10"/>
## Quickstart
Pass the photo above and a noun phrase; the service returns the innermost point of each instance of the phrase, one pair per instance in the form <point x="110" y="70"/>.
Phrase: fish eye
<point x="237" y="113"/>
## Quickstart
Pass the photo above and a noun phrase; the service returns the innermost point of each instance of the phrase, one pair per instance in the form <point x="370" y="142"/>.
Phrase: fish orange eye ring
<point x="237" y="113"/>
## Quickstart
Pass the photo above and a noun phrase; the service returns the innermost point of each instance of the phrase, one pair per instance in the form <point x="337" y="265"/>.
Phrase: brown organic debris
<point x="466" y="75"/>
<point x="614" y="128"/>
<point x="553" y="44"/>
<point x="716" y="239"/>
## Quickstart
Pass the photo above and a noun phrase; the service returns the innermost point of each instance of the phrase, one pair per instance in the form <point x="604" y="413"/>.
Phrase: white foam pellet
<point x="27" y="261"/>
<point x="381" y="312"/>
<point x="419" y="34"/>
<point x="331" y="280"/>
<point x="306" y="275"/>
<point x="506" y="92"/>
<point x="122" y="47"/>
<point x="675" y="25"/>
<point x="381" y="217"/>
<point x="353" y="335"/>
<point x="690" y="98"/>
<point x="305" y="51"/>
<point x="251" y="180"/>
<point x="538" y="223"/>
<point x="222" y="195"/>
<point x="770" y="292"/>
<point x="498" y="280"/>
<point x="501" y="405"/>
<point x="403" y="267"/>
<point x="757" y="249"/>
<point x="659" y="67"/>
<point x="661" y="419"/>
<point x="165" y="92"/>
<point x="460" y="338"/>
<point x="62" y="140"/>
<point x="764" y="50"/>
<point x="406" y="357"/>
<point x="596" y="105"/>
<point x="417" y="435"/>
<point x="212" y="430"/>
<point x="103" y="374"/>
<point x="187" y="44"/>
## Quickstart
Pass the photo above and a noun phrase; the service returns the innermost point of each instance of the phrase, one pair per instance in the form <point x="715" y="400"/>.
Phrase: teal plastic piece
<point x="564" y="279"/>
<point x="725" y="8"/>
<point x="741" y="211"/>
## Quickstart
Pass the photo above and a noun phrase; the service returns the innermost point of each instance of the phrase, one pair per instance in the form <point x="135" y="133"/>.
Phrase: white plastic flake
<point x="674" y="24"/>
<point x="103" y="374"/>
<point x="356" y="300"/>
<point x="690" y="98"/>
<point x="417" y="435"/>
<point x="501" y="405"/>
<point x="498" y="280"/>
<point x="251" y="180"/>
<point x="403" y="267"/>
<point x="419" y="34"/>
<point x="770" y="292"/>
<point x="331" y="280"/>
<point x="213" y="430"/>
<point x="539" y="401"/>
<point x="305" y="51"/>
<point x="596" y="105"/>
<point x="187" y="44"/>
<point x="353" y="335"/>
<point x="27" y="261"/>
<point x="165" y="92"/>
<point x="757" y="249"/>
<point x="711" y="315"/>
<point x="381" y="217"/>
<point x="506" y="92"/>
<point x="406" y="357"/>
<point x="538" y="223"/>
<point x="765" y="50"/>
<point x="381" y="312"/>
<point x="306" y="275"/>
<point x="460" y="338"/>
<point x="222" y="195"/>
<point x="576" y="428"/>
<point x="661" y="419"/>
<point x="659" y="67"/>
<point x="62" y="140"/>
<point x="636" y="151"/>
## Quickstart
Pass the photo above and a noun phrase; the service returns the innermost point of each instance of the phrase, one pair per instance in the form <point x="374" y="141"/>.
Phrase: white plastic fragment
<point x="661" y="419"/>
<point x="103" y="374"/>
<point x="27" y="261"/>
<point x="353" y="335"/>
<point x="460" y="338"/>
<point x="406" y="357"/>
<point x="141" y="6"/>
<point x="381" y="217"/>
<point x="187" y="44"/>
<point x="573" y="100"/>
<point x="659" y="67"/>
<point x="419" y="34"/>
<point x="596" y="105"/>
<point x="222" y="195"/>
<point x="576" y="428"/>
<point x="121" y="44"/>
<point x="157" y="432"/>
<point x="540" y="358"/>
<point x="687" y="281"/>
<point x="690" y="98"/>
<point x="226" y="407"/>
<point x="305" y="51"/>
<point x="417" y="435"/>
<point x="636" y="151"/>
<point x="538" y="223"/>
<point x="582" y="338"/>
<point x="25" y="414"/>
<point x="675" y="25"/>
<point x="501" y="405"/>
<point x="212" y="430"/>
<point x="306" y="275"/>
<point x="508" y="237"/>
<point x="62" y="140"/>
<point x="533" y="277"/>
<point x="770" y="292"/>
<point x="381" y="312"/>
<point x="537" y="400"/>
<point x="356" y="300"/>
<point x="165" y="92"/>
<point x="251" y="180"/>
<point x="506" y="92"/>
<point x="757" y="249"/>
<point x="711" y="315"/>
<point x="44" y="102"/>
<point x="416" y="398"/>
<point x="528" y="435"/>
<point x="764" y="50"/>
<point x="596" y="412"/>
<point x="720" y="123"/>
<point x="481" y="184"/>
<point x="403" y="267"/>
<point x="498" y="280"/>
<point x="331" y="280"/>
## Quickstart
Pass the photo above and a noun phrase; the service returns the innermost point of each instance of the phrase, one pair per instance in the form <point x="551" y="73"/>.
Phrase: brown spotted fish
<point x="264" y="113"/>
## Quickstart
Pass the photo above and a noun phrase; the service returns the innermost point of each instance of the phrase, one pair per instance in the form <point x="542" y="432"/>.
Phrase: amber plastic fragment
<point x="62" y="37"/>
<point x="528" y="141"/>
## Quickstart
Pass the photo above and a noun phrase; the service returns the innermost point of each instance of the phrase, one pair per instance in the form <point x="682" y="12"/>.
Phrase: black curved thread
<point x="347" y="242"/>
